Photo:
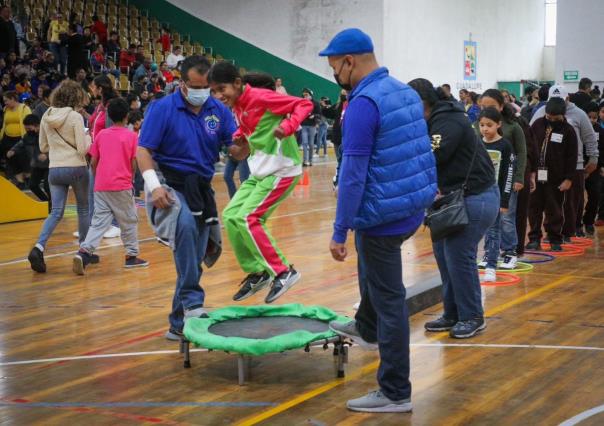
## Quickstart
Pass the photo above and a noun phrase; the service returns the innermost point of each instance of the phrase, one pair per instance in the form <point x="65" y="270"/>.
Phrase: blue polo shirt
<point x="184" y="141"/>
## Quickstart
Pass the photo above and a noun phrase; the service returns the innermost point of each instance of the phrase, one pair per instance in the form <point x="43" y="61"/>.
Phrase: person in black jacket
<point x="8" y="34"/>
<point x="455" y="144"/>
<point x="583" y="97"/>
<point x="336" y="113"/>
<point x="76" y="55"/>
<point x="309" y="128"/>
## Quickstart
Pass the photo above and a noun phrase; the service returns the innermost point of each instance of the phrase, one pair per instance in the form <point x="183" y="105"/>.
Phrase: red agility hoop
<point x="511" y="280"/>
<point x="568" y="250"/>
<point x="581" y="242"/>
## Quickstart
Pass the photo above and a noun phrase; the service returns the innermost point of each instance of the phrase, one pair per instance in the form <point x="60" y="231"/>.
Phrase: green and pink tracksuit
<point x="275" y="168"/>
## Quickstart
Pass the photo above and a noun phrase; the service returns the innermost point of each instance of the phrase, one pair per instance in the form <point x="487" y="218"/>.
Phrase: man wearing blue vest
<point x="387" y="179"/>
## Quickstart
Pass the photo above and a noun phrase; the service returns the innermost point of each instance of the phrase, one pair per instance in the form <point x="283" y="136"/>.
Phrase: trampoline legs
<point x="184" y="348"/>
<point x="340" y="353"/>
<point x="243" y="368"/>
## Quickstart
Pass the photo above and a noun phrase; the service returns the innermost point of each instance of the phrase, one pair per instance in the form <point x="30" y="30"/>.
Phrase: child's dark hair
<point x="107" y="96"/>
<point x="31" y="120"/>
<point x="492" y="114"/>
<point x="134" y="116"/>
<point x="260" y="79"/>
<point x="426" y="91"/>
<point x="592" y="107"/>
<point x="555" y="106"/>
<point x="223" y="73"/>
<point x="118" y="109"/>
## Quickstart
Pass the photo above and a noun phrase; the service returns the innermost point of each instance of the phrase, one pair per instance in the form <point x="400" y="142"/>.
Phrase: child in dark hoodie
<point x="595" y="181"/>
<point x="29" y="147"/>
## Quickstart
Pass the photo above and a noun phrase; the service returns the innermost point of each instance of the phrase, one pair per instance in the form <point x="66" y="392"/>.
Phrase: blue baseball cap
<point x="351" y="41"/>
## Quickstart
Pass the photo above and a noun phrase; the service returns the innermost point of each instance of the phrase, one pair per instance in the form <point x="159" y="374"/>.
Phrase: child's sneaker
<point x="510" y="261"/>
<point x="283" y="282"/>
<point x="80" y="261"/>
<point x="483" y="262"/>
<point x="251" y="285"/>
<point x="135" y="262"/>
<point x="534" y="245"/>
<point x="590" y="230"/>
<point x="36" y="260"/>
<point x="490" y="275"/>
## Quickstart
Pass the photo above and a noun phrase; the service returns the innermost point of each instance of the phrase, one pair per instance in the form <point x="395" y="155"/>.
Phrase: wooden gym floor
<point x="89" y="350"/>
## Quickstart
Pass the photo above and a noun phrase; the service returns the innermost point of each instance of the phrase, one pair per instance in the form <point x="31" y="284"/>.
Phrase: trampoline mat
<point x="266" y="327"/>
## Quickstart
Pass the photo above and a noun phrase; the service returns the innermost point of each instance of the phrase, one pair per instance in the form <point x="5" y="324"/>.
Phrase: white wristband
<point x="151" y="179"/>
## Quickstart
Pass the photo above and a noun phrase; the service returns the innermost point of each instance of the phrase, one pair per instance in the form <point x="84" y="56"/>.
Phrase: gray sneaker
<point x="377" y="402"/>
<point x="196" y="313"/>
<point x="349" y="330"/>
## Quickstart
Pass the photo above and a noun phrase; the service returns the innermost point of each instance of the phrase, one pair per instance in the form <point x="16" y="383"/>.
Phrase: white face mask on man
<point x="197" y="97"/>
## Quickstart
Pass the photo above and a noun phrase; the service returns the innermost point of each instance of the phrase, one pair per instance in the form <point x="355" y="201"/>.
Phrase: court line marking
<point x="144" y="240"/>
<point x="134" y="404"/>
<point x="413" y="345"/>
<point x="583" y="416"/>
<point x="257" y="418"/>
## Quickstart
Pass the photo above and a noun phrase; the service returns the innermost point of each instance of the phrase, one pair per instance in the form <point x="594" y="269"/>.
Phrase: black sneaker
<point x="135" y="262"/>
<point x="251" y="285"/>
<point x="555" y="247"/>
<point x="590" y="230"/>
<point x="580" y="233"/>
<point x="36" y="260"/>
<point x="283" y="282"/>
<point x="566" y="240"/>
<point x="467" y="329"/>
<point x="534" y="245"/>
<point x="94" y="259"/>
<point x="441" y="324"/>
<point x="80" y="261"/>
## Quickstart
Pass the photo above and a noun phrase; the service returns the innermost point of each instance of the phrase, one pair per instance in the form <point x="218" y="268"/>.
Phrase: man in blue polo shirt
<point x="387" y="179"/>
<point x="183" y="133"/>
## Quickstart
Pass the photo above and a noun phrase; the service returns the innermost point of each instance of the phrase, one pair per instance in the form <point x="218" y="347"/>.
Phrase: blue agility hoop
<point x="545" y="257"/>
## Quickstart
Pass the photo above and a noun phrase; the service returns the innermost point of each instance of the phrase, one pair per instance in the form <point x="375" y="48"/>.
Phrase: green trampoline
<point x="259" y="330"/>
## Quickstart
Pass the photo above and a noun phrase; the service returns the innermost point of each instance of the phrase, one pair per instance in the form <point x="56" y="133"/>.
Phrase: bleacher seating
<point x="133" y="26"/>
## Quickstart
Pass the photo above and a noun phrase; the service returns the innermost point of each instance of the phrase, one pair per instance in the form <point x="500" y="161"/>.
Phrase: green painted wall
<point x="245" y="54"/>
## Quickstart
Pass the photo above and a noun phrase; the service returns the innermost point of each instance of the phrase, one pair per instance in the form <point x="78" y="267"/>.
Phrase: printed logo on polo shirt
<point x="212" y="123"/>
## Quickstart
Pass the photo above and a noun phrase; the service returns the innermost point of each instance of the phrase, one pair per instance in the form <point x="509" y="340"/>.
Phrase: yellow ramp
<point x="16" y="206"/>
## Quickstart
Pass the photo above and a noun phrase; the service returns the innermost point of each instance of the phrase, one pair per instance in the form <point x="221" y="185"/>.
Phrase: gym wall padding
<point x="16" y="206"/>
<point x="245" y="54"/>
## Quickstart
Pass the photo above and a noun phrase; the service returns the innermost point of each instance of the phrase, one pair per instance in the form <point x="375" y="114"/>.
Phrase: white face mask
<point x="197" y="97"/>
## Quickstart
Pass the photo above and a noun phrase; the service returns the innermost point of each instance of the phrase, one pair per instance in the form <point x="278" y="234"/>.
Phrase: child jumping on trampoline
<point x="267" y="122"/>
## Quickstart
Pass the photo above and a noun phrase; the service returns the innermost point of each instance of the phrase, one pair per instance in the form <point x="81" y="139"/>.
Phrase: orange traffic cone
<point x="305" y="181"/>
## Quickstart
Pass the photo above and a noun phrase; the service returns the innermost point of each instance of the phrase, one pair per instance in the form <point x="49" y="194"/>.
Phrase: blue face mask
<point x="197" y="97"/>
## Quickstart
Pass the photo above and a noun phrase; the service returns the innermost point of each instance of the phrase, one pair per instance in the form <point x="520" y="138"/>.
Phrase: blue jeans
<point x="322" y="138"/>
<point x="492" y="242"/>
<point x="509" y="235"/>
<point x="229" y="172"/>
<point x="383" y="316"/>
<point x="60" y="179"/>
<point x="456" y="258"/>
<point x="60" y="54"/>
<point x="190" y="242"/>
<point x="307" y="135"/>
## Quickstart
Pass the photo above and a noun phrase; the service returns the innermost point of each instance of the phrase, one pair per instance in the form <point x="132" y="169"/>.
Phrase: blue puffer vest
<point x="401" y="181"/>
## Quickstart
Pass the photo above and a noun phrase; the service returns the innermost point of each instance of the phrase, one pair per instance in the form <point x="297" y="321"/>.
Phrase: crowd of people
<point x="519" y="163"/>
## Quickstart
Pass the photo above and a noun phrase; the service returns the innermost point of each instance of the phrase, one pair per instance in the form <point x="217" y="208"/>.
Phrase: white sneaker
<point x="510" y="261"/>
<point x="76" y="234"/>
<point x="113" y="232"/>
<point x="483" y="262"/>
<point x="356" y="306"/>
<point x="490" y="276"/>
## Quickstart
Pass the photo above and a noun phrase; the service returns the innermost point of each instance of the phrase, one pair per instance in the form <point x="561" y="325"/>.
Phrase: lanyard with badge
<point x="549" y="137"/>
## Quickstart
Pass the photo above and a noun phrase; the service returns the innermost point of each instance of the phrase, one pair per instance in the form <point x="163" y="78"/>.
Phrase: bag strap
<point x="65" y="140"/>
<point x="465" y="183"/>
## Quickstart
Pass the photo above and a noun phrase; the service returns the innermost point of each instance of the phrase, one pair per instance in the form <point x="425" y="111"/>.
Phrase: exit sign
<point x="571" y="75"/>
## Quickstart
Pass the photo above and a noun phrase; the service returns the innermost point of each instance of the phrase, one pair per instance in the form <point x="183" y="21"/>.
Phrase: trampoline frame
<point x="340" y="356"/>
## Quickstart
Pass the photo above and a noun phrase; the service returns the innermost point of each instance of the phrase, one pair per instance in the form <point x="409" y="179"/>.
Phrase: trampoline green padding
<point x="259" y="330"/>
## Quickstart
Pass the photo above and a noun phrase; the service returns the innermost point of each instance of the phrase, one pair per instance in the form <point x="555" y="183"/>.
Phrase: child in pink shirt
<point x="113" y="156"/>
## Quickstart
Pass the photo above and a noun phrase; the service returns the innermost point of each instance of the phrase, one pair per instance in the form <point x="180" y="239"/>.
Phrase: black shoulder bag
<point x="448" y="214"/>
